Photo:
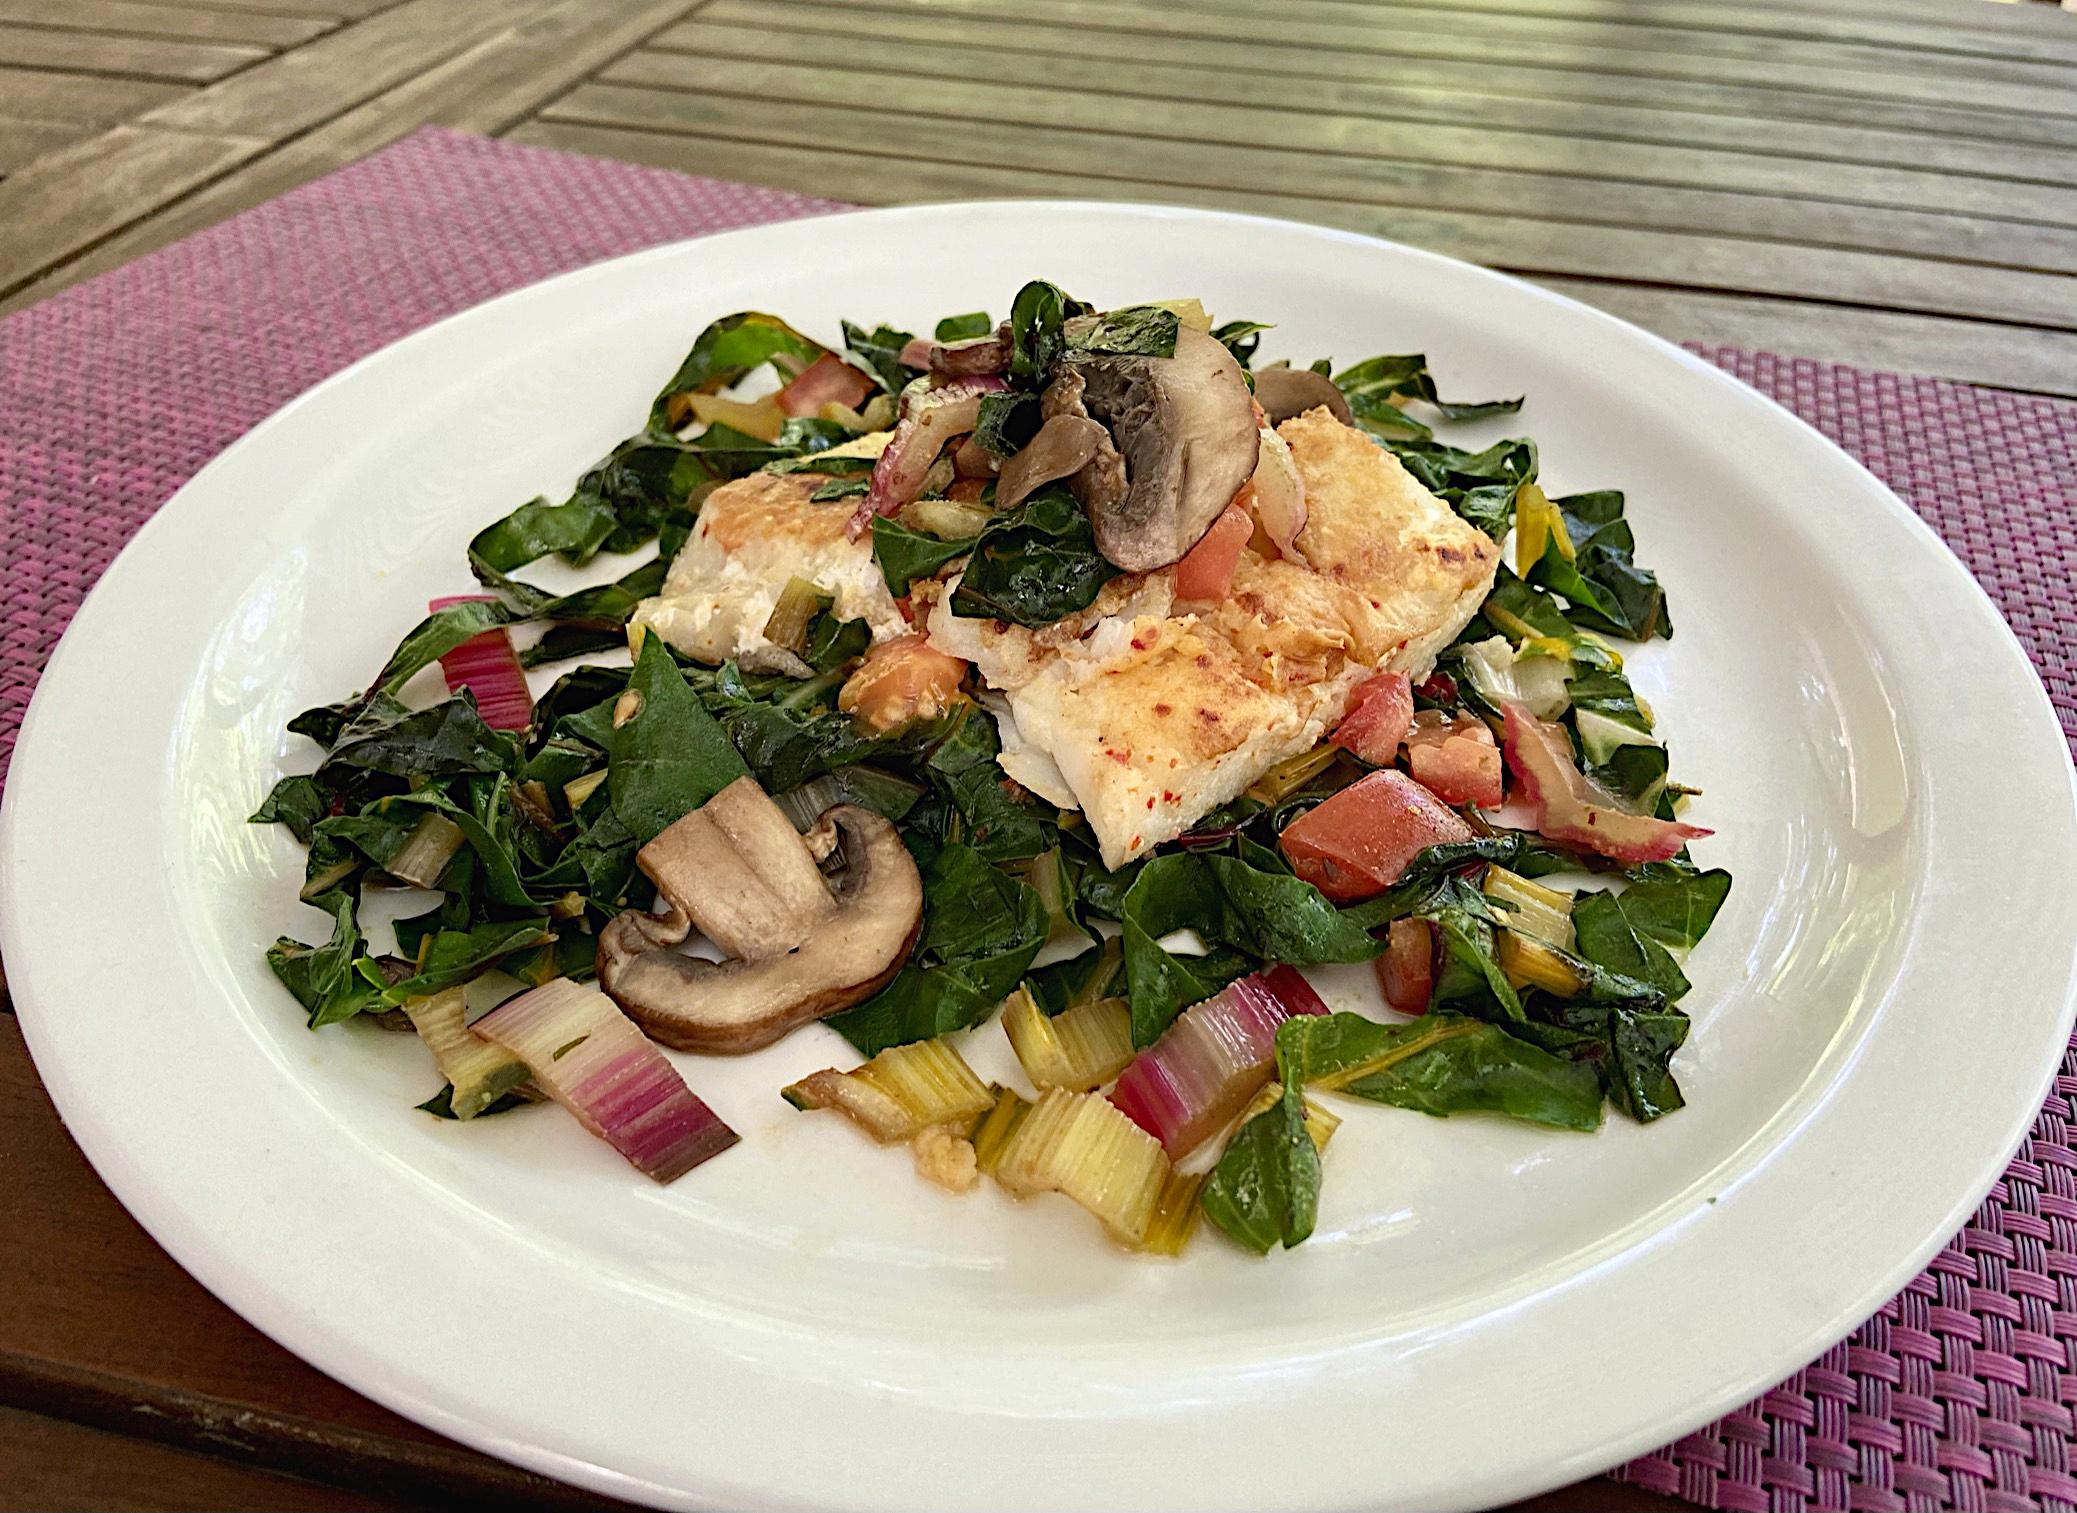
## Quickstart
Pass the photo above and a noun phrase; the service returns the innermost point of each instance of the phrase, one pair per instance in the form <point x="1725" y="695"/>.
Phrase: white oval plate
<point x="1486" y="1309"/>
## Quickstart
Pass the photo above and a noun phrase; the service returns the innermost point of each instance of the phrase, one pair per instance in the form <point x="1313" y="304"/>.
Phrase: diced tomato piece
<point x="1206" y="571"/>
<point x="1293" y="991"/>
<point x="1439" y="686"/>
<point x="1360" y="841"/>
<point x="826" y="380"/>
<point x="902" y="680"/>
<point x="1456" y="759"/>
<point x="1379" y="714"/>
<point x="1406" y="972"/>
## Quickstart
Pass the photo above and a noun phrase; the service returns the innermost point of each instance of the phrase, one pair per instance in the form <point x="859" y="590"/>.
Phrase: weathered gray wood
<point x="1954" y="27"/>
<point x="1810" y="67"/>
<point x="24" y="141"/>
<point x="297" y="90"/>
<point x="1959" y="173"/>
<point x="1224" y="176"/>
<point x="2011" y="356"/>
<point x="138" y="57"/>
<point x="152" y="18"/>
<point x="1658" y="27"/>
<point x="81" y="193"/>
<point x="487" y="88"/>
<point x="336" y="10"/>
<point x="1171" y="102"/>
<point x="35" y="94"/>
<point x="1489" y="73"/>
<point x="1978" y="352"/>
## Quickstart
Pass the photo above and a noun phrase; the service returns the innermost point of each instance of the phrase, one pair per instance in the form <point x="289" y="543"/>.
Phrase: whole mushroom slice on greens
<point x="801" y="945"/>
<point x="1185" y="441"/>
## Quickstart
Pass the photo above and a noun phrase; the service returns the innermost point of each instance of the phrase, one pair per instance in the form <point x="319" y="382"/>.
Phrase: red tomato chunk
<point x="1379" y="714"/>
<point x="1359" y="842"/>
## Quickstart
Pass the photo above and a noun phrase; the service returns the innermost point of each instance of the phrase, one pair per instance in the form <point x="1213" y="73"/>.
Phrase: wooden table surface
<point x="1885" y="182"/>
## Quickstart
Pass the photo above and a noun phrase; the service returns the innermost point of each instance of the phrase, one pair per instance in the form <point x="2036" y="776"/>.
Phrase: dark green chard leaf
<point x="574" y="530"/>
<point x="1033" y="565"/>
<point x="1135" y="331"/>
<point x="576" y="692"/>
<point x="322" y="977"/>
<point x="905" y="555"/>
<point x="1036" y="317"/>
<point x="822" y="462"/>
<point x="1007" y="422"/>
<point x="671" y="756"/>
<point x="1441" y="1063"/>
<point x="1479" y="486"/>
<point x="1607" y="591"/>
<point x="1631" y="1046"/>
<point x="1470" y="979"/>
<point x="842" y="488"/>
<point x="1241" y="338"/>
<point x="981" y="928"/>
<point x="457" y="957"/>
<point x="964" y="771"/>
<point x="1630" y="932"/>
<point x="441" y="1104"/>
<point x="1245" y="915"/>
<point x="1098" y="972"/>
<point x="296" y="802"/>
<point x="728" y="350"/>
<point x="964" y="327"/>
<point x="1266" y="1188"/>
<point x="879" y="353"/>
<point x="1373" y="384"/>
<point x="447" y="740"/>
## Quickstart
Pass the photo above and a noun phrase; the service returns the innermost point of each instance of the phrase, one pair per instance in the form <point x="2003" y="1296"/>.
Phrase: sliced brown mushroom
<point x="802" y="946"/>
<point x="1063" y="446"/>
<point x="1184" y="427"/>
<point x="1284" y="391"/>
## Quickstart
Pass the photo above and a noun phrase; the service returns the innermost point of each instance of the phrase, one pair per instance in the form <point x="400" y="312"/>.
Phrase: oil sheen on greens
<point x="550" y="818"/>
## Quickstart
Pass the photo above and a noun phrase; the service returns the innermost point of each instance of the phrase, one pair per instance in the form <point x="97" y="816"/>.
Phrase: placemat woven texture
<point x="1959" y="1394"/>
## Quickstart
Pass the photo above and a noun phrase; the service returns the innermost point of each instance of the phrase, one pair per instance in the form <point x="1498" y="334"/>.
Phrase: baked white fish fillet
<point x="754" y="534"/>
<point x="1152" y="713"/>
<point x="1144" y="714"/>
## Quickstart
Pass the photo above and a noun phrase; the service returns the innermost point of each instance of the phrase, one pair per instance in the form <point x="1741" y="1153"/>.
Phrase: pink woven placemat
<point x="1960" y="1393"/>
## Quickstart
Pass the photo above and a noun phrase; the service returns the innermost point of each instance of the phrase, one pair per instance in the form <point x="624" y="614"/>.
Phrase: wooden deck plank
<point x="487" y="88"/>
<point x="1958" y="27"/>
<point x="296" y="90"/>
<point x="2006" y="355"/>
<point x="1519" y="122"/>
<point x="1650" y="28"/>
<point x="144" y="18"/>
<point x="1222" y="175"/>
<point x="58" y="1467"/>
<point x="22" y="142"/>
<point x="91" y="99"/>
<point x="2033" y="88"/>
<point x="1486" y="75"/>
<point x="135" y="57"/>
<point x="334" y="10"/>
<point x="81" y="193"/>
<point x="1542" y="163"/>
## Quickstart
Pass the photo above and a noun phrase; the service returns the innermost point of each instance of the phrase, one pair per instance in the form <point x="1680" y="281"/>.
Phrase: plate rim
<point x="98" y="1140"/>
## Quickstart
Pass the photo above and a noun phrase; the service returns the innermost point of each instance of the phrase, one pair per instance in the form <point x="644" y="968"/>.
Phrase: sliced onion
<point x="827" y="380"/>
<point x="589" y="1057"/>
<point x="930" y="417"/>
<point x="1061" y="448"/>
<point x="959" y="359"/>
<point x="1279" y="494"/>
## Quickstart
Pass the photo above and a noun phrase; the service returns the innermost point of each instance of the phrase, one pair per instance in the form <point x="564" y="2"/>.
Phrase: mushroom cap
<point x="1284" y="391"/>
<point x="1185" y="428"/>
<point x="821" y="960"/>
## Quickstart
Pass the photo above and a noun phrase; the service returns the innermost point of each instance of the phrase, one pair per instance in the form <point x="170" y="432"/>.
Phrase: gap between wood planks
<point x="481" y="66"/>
<point x="2000" y="354"/>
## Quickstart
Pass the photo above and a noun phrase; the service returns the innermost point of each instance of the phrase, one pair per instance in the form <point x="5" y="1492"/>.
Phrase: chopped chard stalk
<point x="489" y="668"/>
<point x="1079" y="1145"/>
<point x="1079" y="1048"/>
<point x="479" y="1073"/>
<point x="1188" y="1085"/>
<point x="904" y="1089"/>
<point x="1175" y="1214"/>
<point x="589" y="1057"/>
<point x="426" y="851"/>
<point x="992" y="1131"/>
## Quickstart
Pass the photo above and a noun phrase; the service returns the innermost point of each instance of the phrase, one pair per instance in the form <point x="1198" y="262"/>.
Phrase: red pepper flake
<point x="1150" y="803"/>
<point x="1163" y="709"/>
<point x="1204" y="659"/>
<point x="1209" y="716"/>
<point x="1122" y="758"/>
<point x="1169" y="798"/>
<point x="1138" y="644"/>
